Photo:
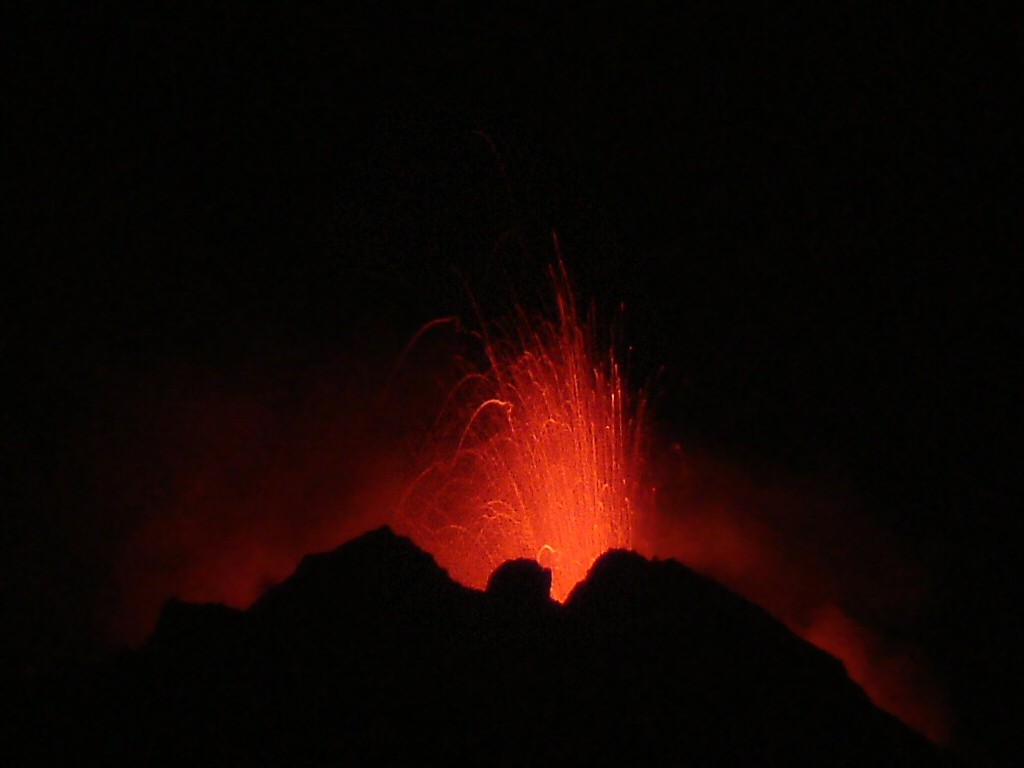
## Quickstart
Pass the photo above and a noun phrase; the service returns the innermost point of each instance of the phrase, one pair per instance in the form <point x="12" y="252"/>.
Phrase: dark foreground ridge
<point x="371" y="654"/>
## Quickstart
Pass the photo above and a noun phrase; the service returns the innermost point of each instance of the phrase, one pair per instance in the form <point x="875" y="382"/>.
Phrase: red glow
<point x="823" y="570"/>
<point x="215" y="484"/>
<point x="540" y="455"/>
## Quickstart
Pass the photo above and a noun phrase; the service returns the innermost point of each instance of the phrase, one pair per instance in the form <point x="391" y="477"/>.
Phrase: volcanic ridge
<point x="371" y="654"/>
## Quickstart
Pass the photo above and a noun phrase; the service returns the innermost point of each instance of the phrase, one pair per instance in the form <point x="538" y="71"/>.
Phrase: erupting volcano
<point x="539" y="453"/>
<point x="535" y="447"/>
<point x="320" y="447"/>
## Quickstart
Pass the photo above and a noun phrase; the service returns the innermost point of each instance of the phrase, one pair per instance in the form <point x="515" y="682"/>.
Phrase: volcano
<point x="372" y="654"/>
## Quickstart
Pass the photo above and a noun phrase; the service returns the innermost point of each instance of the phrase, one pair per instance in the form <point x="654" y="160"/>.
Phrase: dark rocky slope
<point x="371" y="654"/>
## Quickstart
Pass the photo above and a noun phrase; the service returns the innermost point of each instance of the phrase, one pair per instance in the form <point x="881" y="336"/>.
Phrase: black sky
<point x="808" y="217"/>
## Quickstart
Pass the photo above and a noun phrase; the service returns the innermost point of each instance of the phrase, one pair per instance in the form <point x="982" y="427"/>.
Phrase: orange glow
<point x="540" y="454"/>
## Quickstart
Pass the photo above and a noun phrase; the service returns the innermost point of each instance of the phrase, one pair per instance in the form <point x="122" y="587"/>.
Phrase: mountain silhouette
<point x="371" y="654"/>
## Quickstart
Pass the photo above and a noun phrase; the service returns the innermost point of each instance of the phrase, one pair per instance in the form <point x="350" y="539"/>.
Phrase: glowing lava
<point x="540" y="454"/>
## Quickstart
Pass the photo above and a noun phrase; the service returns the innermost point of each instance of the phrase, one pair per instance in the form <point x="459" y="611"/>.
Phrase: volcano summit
<point x="371" y="654"/>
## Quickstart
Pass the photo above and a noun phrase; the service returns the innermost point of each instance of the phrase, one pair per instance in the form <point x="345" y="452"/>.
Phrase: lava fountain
<point x="537" y="452"/>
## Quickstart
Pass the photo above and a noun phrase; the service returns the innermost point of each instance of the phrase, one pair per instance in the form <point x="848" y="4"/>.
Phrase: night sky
<point x="231" y="211"/>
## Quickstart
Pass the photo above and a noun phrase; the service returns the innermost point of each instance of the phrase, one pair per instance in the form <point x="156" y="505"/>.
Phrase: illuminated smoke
<point x="539" y="453"/>
<point x="212" y="485"/>
<point x="814" y="561"/>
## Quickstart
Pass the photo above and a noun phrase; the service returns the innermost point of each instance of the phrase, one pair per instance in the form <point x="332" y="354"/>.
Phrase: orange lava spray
<point x="541" y="453"/>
